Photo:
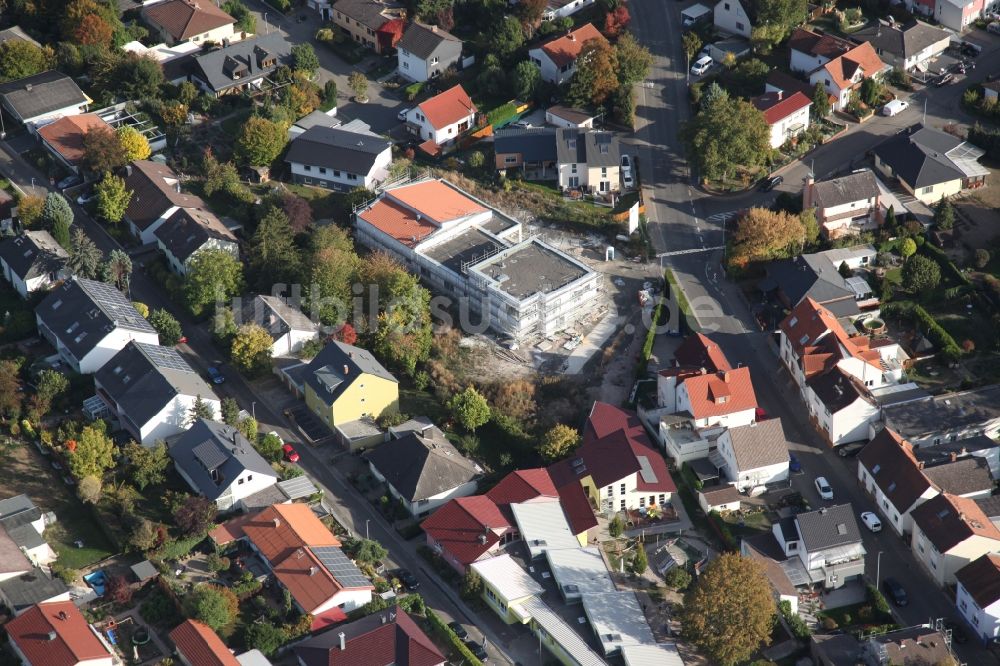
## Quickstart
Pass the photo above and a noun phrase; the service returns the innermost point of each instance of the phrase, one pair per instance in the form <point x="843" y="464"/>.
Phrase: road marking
<point x="693" y="250"/>
<point x="722" y="217"/>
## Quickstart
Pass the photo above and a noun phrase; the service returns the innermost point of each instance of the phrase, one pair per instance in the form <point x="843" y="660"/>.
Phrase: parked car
<point x="216" y="375"/>
<point x="971" y="50"/>
<point x="871" y="521"/>
<point x="86" y="197"/>
<point x="771" y="183"/>
<point x="794" y="465"/>
<point x="895" y="591"/>
<point x="69" y="181"/>
<point x="402" y="114"/>
<point x="477" y="650"/>
<point x="408" y="580"/>
<point x="945" y="79"/>
<point x="701" y="65"/>
<point x="894" y="107"/>
<point x="823" y="488"/>
<point x="994" y="28"/>
<point x="848" y="450"/>
<point x="291" y="455"/>
<point x="459" y="630"/>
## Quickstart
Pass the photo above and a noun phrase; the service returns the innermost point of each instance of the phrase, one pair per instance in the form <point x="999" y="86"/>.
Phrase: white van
<point x="894" y="107"/>
<point x="701" y="65"/>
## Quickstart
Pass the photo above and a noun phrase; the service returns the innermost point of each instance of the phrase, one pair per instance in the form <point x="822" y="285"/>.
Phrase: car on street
<point x="771" y="183"/>
<point x="302" y="18"/>
<point x="86" y="197"/>
<point x="477" y="649"/>
<point x="216" y="375"/>
<point x="895" y="591"/>
<point x="626" y="170"/>
<point x="459" y="630"/>
<point x="971" y="50"/>
<point x="794" y="465"/>
<point x="823" y="488"/>
<point x="408" y="580"/>
<point x="701" y="65"/>
<point x="69" y="181"/>
<point x="871" y="521"/>
<point x="894" y="107"/>
<point x="994" y="28"/>
<point x="402" y="114"/>
<point x="291" y="455"/>
<point x="945" y="79"/>
<point x="848" y="450"/>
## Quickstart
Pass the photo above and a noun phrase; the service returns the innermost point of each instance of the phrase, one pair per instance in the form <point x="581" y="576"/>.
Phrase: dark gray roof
<point x="275" y="315"/>
<point x="215" y="67"/>
<point x="990" y="506"/>
<point x="42" y="93"/>
<point x="31" y="588"/>
<point x="828" y="527"/>
<point x="317" y="117"/>
<point x="535" y="144"/>
<point x="82" y="312"/>
<point x="326" y="372"/>
<point x="846" y="189"/>
<point x="33" y="254"/>
<point x="759" y="444"/>
<point x="590" y="147"/>
<point x="369" y="12"/>
<point x="16" y="515"/>
<point x="899" y="40"/>
<point x="189" y="229"/>
<point x="144" y="570"/>
<point x="336" y="148"/>
<point x="422" y="467"/>
<point x="917" y="155"/>
<point x="212" y="455"/>
<point x="16" y="33"/>
<point x="570" y="114"/>
<point x="835" y="389"/>
<point x="143" y="379"/>
<point x="945" y="412"/>
<point x="962" y="477"/>
<point x="424" y="40"/>
<point x="813" y="276"/>
<point x="155" y="190"/>
<point x="788" y="530"/>
<point x="938" y="453"/>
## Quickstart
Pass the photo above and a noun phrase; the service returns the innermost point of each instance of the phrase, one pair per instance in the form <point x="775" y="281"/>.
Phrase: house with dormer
<point x="950" y="532"/>
<point x="156" y="195"/>
<point x="891" y="474"/>
<point x="32" y="261"/>
<point x="557" y="57"/>
<point x="838" y="64"/>
<point x="239" y="67"/>
<point x="977" y="595"/>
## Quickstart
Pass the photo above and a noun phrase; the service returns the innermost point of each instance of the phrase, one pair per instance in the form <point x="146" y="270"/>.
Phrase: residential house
<point x="440" y="120"/>
<point x="564" y="116"/>
<point x="892" y="475"/>
<point x="557" y="57"/>
<point x="955" y="15"/>
<point x="322" y="119"/>
<point x="36" y="586"/>
<point x="386" y="638"/>
<point x="15" y="33"/>
<point x="156" y="195"/>
<point x="787" y="116"/>
<point x="57" y="634"/>
<point x="907" y="46"/>
<point x="754" y="455"/>
<point x="532" y="151"/>
<point x="339" y="158"/>
<point x="506" y="587"/>
<point x="465" y="249"/>
<point x="197" y="644"/>
<point x="836" y="63"/>
<point x="88" y="322"/>
<point x="189" y="231"/>
<point x="764" y="549"/>
<point x="423" y="472"/>
<point x="930" y="164"/>
<point x="243" y="66"/>
<point x="345" y="385"/>
<point x="840" y="406"/>
<point x="377" y="24"/>
<point x="809" y="50"/>
<point x="977" y="595"/>
<point x="39" y="99"/>
<point x="949" y="532"/>
<point x="828" y="545"/>
<point x="912" y="646"/>
<point x="556" y="9"/>
<point x="735" y="17"/>
<point x="63" y="138"/>
<point x="175" y="21"/>
<point x="425" y="51"/>
<point x="23" y="524"/>
<point x="588" y="160"/>
<point x="151" y="390"/>
<point x="947" y="417"/>
<point x="817" y="276"/>
<point x="32" y="261"/>
<point x="220" y="464"/>
<point x="845" y="206"/>
<point x="289" y="327"/>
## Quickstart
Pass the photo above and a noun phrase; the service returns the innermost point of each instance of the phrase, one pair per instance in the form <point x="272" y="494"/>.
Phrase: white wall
<point x="440" y="136"/>
<point x="779" y="130"/>
<point x="44" y="119"/>
<point x="410" y="66"/>
<point x="898" y="517"/>
<point x="984" y="621"/>
<point x="253" y="482"/>
<point x="557" y="121"/>
<point x="327" y="177"/>
<point x="613" y="497"/>
<point x="173" y="419"/>
<point x="804" y="62"/>
<point x="348" y="600"/>
<point x="148" y="235"/>
<point x="745" y="479"/>
<point x="566" y="10"/>
<point x="112" y="343"/>
<point x="291" y="342"/>
<point x="422" y="509"/>
<point x="730" y="17"/>
<point x="550" y="71"/>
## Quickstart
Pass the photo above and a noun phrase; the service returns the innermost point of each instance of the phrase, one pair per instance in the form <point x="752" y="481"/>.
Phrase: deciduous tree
<point x="30" y="209"/>
<point x="691" y="43"/>
<point x="92" y="31"/>
<point x="89" y="489"/>
<point x="251" y="350"/>
<point x="470" y="408"/>
<point x="908" y="248"/>
<point x="596" y="75"/>
<point x="763" y="234"/>
<point x="195" y="514"/>
<point x="10" y="390"/>
<point x="139" y="77"/>
<point x="19" y="59"/>
<point x="727" y="135"/>
<point x="616" y="20"/>
<point x="525" y="79"/>
<point x="135" y="145"/>
<point x="245" y="20"/>
<point x="921" y="274"/>
<point x="358" y="82"/>
<point x="558" y="441"/>
<point x="633" y="59"/>
<point x="213" y="605"/>
<point x="212" y="274"/>
<point x="49" y="386"/>
<point x="402" y="332"/>
<point x="298" y="212"/>
<point x="102" y="150"/>
<point x="145" y="535"/>
<point x="260" y="141"/>
<point x="304" y="58"/>
<point x="269" y="447"/>
<point x="113" y="197"/>
<point x="166" y="326"/>
<point x="94" y="453"/>
<point x="147" y="465"/>
<point x="265" y="637"/>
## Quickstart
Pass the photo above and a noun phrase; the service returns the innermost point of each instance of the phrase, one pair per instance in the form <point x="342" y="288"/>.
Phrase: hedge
<point x="683" y="307"/>
<point x="446" y="632"/>
<point x="411" y="91"/>
<point x="795" y="622"/>
<point x="647" y="347"/>
<point x="947" y="266"/>
<point x="690" y="477"/>
<point x="174" y="550"/>
<point x="945" y="344"/>
<point x="501" y="114"/>
<point x="878" y="601"/>
<point x="725" y="533"/>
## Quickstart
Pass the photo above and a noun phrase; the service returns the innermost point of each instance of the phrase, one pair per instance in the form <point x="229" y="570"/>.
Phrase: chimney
<point x="807" y="192"/>
<point x="725" y="376"/>
<point x="343" y="641"/>
<point x="704" y="371"/>
<point x="781" y="95"/>
<point x="963" y="451"/>
<point x="953" y="456"/>
<point x="27" y="86"/>
<point x="571" y="37"/>
<point x="346" y="369"/>
<point x="128" y="170"/>
<point x="383" y="618"/>
<point x="313" y="570"/>
<point x="52" y="635"/>
<point x="920" y="464"/>
<point x="434" y="28"/>
<point x="277" y="521"/>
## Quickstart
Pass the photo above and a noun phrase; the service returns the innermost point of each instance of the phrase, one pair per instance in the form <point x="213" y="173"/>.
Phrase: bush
<point x="502" y="114"/>
<point x="678" y="578"/>
<point x="941" y="339"/>
<point x="798" y="626"/>
<point x="158" y="608"/>
<point x="411" y="91"/>
<point x="948" y="268"/>
<point x="829" y="623"/>
<point x="445" y="632"/>
<point x="878" y="601"/>
<point x="723" y="530"/>
<point x="866" y="613"/>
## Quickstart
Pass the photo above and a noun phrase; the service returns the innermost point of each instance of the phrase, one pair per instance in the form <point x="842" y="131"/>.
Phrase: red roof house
<point x="786" y="115"/>
<point x="444" y="117"/>
<point x="387" y="638"/>
<point x="56" y="634"/>
<point x="557" y="57"/>
<point x="64" y="137"/>
<point x="198" y="645"/>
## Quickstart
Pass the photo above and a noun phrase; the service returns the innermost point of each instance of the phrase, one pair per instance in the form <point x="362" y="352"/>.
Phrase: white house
<point x="809" y="50"/>
<point x="340" y="158"/>
<point x="563" y="116"/>
<point x="839" y="406"/>
<point x="557" y="57"/>
<point x="151" y="390"/>
<point x="425" y="51"/>
<point x="178" y="21"/>
<point x="88" y="322"/>
<point x="556" y="9"/>
<point x="156" y="195"/>
<point x="827" y="543"/>
<point x="847" y="205"/>
<point x="891" y="474"/>
<point x="289" y="327"/>
<point x="977" y="595"/>
<point x="949" y="532"/>
<point x="588" y="160"/>
<point x="725" y="398"/>
<point x="190" y="231"/>
<point x="731" y="17"/>
<point x="844" y="74"/>
<point x="754" y="455"/>
<point x="786" y="116"/>
<point x="39" y="99"/>
<point x="908" y="46"/>
<point x="443" y="118"/>
<point x="24" y="524"/>
<point x="32" y="261"/>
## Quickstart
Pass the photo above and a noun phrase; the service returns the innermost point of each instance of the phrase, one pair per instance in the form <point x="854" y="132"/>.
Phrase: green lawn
<point x="326" y="205"/>
<point x="80" y="525"/>
<point x="414" y="402"/>
<point x="756" y="523"/>
<point x="843" y="614"/>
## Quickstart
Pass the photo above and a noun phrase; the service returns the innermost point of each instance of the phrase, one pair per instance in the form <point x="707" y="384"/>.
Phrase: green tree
<point x="981" y="258"/>
<point x="134" y="144"/>
<point x="634" y="60"/>
<point x="358" y="82"/>
<point x="810" y="226"/>
<point x="20" y="59"/>
<point x="692" y="44"/>
<point x="61" y="233"/>
<point x="820" y="101"/>
<point x="201" y="410"/>
<point x="304" y="58"/>
<point x="908" y="248"/>
<point x="730" y="611"/>
<point x="145" y="535"/>
<point x="260" y="141"/>
<point x="57" y="211"/>
<point x="265" y="637"/>
<point x="214" y="605"/>
<point x="725" y="136"/>
<point x="103" y="151"/>
<point x="50" y="385"/>
<point x="713" y="93"/>
<point x="944" y="214"/>
<point x="776" y="19"/>
<point x="369" y="551"/>
<point x="677" y="578"/>
<point x="245" y="20"/>
<point x="921" y="274"/>
<point x="525" y="79"/>
<point x="476" y="159"/>
<point x="195" y="515"/>
<point x="85" y="258"/>
<point x="270" y="447"/>
<point x="248" y="427"/>
<point x="890" y="220"/>
<point x="230" y="411"/>
<point x="212" y="275"/>
<point x="89" y="489"/>
<point x="638" y="563"/>
<point x="596" y="75"/>
<point x="30" y="208"/>
<point x="147" y="465"/>
<point x="251" y="350"/>
<point x="117" y="270"/>
<point x="472" y="585"/>
<point x="94" y="453"/>
<point x="508" y="38"/>
<point x="166" y="326"/>
<point x="616" y="527"/>
<point x="402" y="332"/>
<point x="470" y="408"/>
<point x="273" y="255"/>
<point x="138" y="77"/>
<point x="558" y="441"/>
<point x="871" y="91"/>
<point x="113" y="197"/>
<point x="10" y="390"/>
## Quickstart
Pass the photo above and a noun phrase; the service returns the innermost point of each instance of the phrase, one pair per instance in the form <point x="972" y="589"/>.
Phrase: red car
<point x="291" y="455"/>
<point x="760" y="414"/>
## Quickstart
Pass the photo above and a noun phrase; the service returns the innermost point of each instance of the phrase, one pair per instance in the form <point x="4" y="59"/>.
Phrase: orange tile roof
<point x="820" y="341"/>
<point x="279" y="530"/>
<point x="815" y="44"/>
<point x="309" y="582"/>
<point x="565" y="50"/>
<point x="776" y="107"/>
<point x="66" y="134"/>
<point x="200" y="646"/>
<point x="699" y="351"/>
<point x="721" y="393"/>
<point x="231" y="530"/>
<point x="950" y="520"/>
<point x="448" y="107"/>
<point x="436" y="200"/>
<point x="398" y="222"/>
<point x="863" y="56"/>
<point x="74" y="640"/>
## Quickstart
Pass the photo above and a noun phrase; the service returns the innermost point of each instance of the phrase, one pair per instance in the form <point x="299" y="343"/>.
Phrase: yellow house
<point x="507" y="588"/>
<point x="348" y="389"/>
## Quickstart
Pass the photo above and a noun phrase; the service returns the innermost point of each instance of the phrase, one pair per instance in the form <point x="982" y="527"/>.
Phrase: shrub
<point x="798" y="626"/>
<point x="445" y="632"/>
<point x="829" y="623"/>
<point x="725" y="533"/>
<point x="677" y="578"/>
<point x="616" y="527"/>
<point x="847" y="618"/>
<point x="865" y="613"/>
<point x="878" y="602"/>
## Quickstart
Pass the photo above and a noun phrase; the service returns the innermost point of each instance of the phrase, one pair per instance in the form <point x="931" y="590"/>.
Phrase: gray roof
<point x="990" y="506"/>
<point x="369" y="12"/>
<point x="917" y="156"/>
<point x="142" y="379"/>
<point x="42" y="93"/>
<point x="536" y="144"/>
<point x="828" y="527"/>
<point x="212" y="455"/>
<point x="337" y="148"/>
<point x="570" y="114"/>
<point x="591" y="147"/>
<point x="276" y="315"/>
<point x="898" y="40"/>
<point x="835" y="389"/>
<point x="760" y="444"/>
<point x="326" y="371"/>
<point x="16" y="515"/>
<point x="317" y="117"/>
<point x="155" y="190"/>
<point x="944" y="413"/>
<point x="82" y="312"/>
<point x="215" y="67"/>
<point x="938" y="453"/>
<point x="31" y="588"/>
<point x="424" y="40"/>
<point x="814" y="276"/>
<point x="421" y="467"/>
<point x="189" y="229"/>
<point x="144" y="570"/>
<point x="16" y="33"/>
<point x="846" y="189"/>
<point x="962" y="477"/>
<point x="33" y="254"/>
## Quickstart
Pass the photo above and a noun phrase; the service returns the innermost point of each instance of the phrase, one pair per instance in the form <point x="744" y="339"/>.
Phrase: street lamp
<point x="878" y="567"/>
<point x="3" y="130"/>
<point x="266" y="26"/>
<point x="253" y="410"/>
<point x="367" y="520"/>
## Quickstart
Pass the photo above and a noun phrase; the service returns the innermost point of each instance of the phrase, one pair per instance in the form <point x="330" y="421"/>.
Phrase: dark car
<point x="69" y="181"/>
<point x="850" y="449"/>
<point x="771" y="183"/>
<point x="958" y="633"/>
<point x="408" y="580"/>
<point x="477" y="649"/>
<point x="459" y="630"/>
<point x="895" y="591"/>
<point x="216" y="375"/>
<point x="794" y="465"/>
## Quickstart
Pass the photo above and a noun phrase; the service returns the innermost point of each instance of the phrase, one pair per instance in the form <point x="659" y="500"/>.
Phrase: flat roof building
<point x="579" y="571"/>
<point x="543" y="525"/>
<point x="618" y="620"/>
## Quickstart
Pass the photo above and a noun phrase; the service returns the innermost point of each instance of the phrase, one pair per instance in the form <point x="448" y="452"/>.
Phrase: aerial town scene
<point x="500" y="332"/>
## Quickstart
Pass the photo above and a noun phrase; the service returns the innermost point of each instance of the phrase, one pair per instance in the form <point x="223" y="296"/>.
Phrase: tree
<point x="820" y="101"/>
<point x="214" y="605"/>
<point x="638" y="563"/>
<point x="810" y="226"/>
<point x="871" y="91"/>
<point x="147" y="465"/>
<point x="525" y="79"/>
<point x="119" y="591"/>
<point x="369" y="551"/>
<point x="730" y="611"/>
<point x="921" y="274"/>
<point x="346" y="334"/>
<point x="677" y="578"/>
<point x="248" y="428"/>
<point x="84" y="257"/>
<point x="507" y="38"/>
<point x="358" y="82"/>
<point x="330" y="93"/>
<point x="103" y="150"/>
<point x="113" y="197"/>
<point x="776" y="19"/>
<point x="616" y="527"/>
<point x="57" y="211"/>
<point x="763" y="234"/>
<point x="195" y="515"/>
<point x="92" y="30"/>
<point x="94" y="453"/>
<point x="245" y="20"/>
<point x="558" y="441"/>
<point x="725" y="136"/>
<point x="634" y="60"/>
<point x="145" y="535"/>
<point x="61" y="233"/>
<point x="470" y="408"/>
<point x="30" y="209"/>
<point x="944" y="214"/>
<point x="49" y="386"/>
<point x="304" y="58"/>
<point x="908" y="248"/>
<point x="230" y="411"/>
<point x="166" y="326"/>
<point x="10" y="389"/>
<point x="270" y="447"/>
<point x="89" y="489"/>
<point x="616" y="20"/>
<point x="251" y="350"/>
<point x="273" y="255"/>
<point x="472" y="585"/>
<point x="476" y="159"/>
<point x="298" y="212"/>
<point x="134" y="144"/>
<point x="981" y="259"/>
<point x="201" y="410"/>
<point x="891" y="223"/>
<point x="260" y="141"/>
<point x="265" y="637"/>
<point x="117" y="270"/>
<point x="212" y="275"/>
<point x="139" y="77"/>
<point x="19" y="59"/>
<point x="692" y="44"/>
<point x="596" y="75"/>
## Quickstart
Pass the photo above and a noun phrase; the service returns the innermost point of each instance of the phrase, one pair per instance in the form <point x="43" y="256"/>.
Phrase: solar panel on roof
<point x="646" y="470"/>
<point x="165" y="357"/>
<point x="340" y="566"/>
<point x="300" y="486"/>
<point x="209" y="455"/>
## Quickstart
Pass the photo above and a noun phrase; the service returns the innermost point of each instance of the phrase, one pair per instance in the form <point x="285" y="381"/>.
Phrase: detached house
<point x="57" y="634"/>
<point x="836" y="63"/>
<point x="42" y="98"/>
<point x="339" y="158"/>
<point x="817" y="276"/>
<point x="754" y="455"/>
<point x="88" y="322"/>
<point x="977" y="595"/>
<point x="239" y="67"/>
<point x="189" y="231"/>
<point x="787" y="116"/>
<point x="176" y="21"/>
<point x="949" y="532"/>
<point x="440" y="120"/>
<point x="376" y="24"/>
<point x="386" y="638"/>
<point x="425" y="51"/>
<point x="952" y="14"/>
<point x="22" y="525"/>
<point x="845" y="206"/>
<point x="809" y="50"/>
<point x="156" y="195"/>
<point x="557" y="57"/>
<point x="734" y="17"/>
<point x="32" y="261"/>
<point x="289" y="327"/>
<point x="891" y="474"/>
<point x="63" y="138"/>
<point x="588" y="160"/>
<point x="908" y="47"/>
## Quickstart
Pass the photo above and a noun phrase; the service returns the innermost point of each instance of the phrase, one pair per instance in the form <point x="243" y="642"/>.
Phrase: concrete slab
<point x="592" y="343"/>
<point x="848" y="595"/>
